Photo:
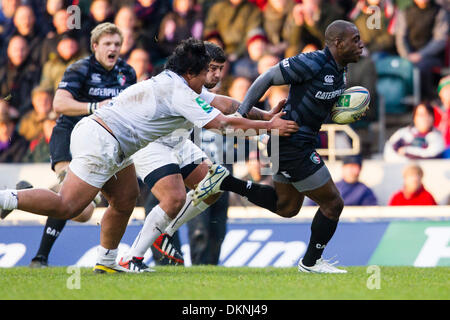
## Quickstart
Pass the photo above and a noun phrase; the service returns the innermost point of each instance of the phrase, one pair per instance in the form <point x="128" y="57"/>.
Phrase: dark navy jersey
<point x="88" y="81"/>
<point x="316" y="82"/>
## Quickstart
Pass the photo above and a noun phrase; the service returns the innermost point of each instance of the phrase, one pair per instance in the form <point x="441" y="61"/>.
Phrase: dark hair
<point x="428" y="107"/>
<point x="190" y="56"/>
<point x="215" y="52"/>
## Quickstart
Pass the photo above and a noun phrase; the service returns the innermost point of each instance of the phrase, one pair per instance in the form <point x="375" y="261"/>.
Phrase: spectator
<point x="30" y="125"/>
<point x="47" y="19"/>
<point x="12" y="146"/>
<point x="39" y="150"/>
<point x="233" y="19"/>
<point x="421" y="35"/>
<point x="150" y="14"/>
<point x="183" y="22"/>
<point x="353" y="192"/>
<point x="25" y="24"/>
<point x="18" y="76"/>
<point x="239" y="87"/>
<point x="60" y="23"/>
<point x="313" y="16"/>
<point x="128" y="44"/>
<point x="267" y="61"/>
<point x="442" y="113"/>
<point x="276" y="24"/>
<point x="8" y="8"/>
<point x="67" y="52"/>
<point x="126" y="19"/>
<point x="247" y="66"/>
<point x="140" y="61"/>
<point x="100" y="11"/>
<point x="413" y="192"/>
<point x="419" y="141"/>
<point x="378" y="36"/>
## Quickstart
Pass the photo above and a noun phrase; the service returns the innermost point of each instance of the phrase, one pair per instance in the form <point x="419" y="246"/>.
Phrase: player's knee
<point x="334" y="208"/>
<point x="174" y="203"/>
<point x="287" y="211"/>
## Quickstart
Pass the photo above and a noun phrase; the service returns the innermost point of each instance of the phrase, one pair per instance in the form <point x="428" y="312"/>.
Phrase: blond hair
<point x="414" y="169"/>
<point x="104" y="28"/>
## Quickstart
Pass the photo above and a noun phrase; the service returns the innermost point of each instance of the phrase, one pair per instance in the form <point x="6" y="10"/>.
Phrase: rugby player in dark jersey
<point x="316" y="81"/>
<point x="87" y="84"/>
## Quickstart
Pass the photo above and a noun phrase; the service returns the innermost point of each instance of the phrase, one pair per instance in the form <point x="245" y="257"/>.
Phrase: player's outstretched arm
<point x="275" y="126"/>
<point x="271" y="77"/>
<point x="64" y="103"/>
<point x="225" y="104"/>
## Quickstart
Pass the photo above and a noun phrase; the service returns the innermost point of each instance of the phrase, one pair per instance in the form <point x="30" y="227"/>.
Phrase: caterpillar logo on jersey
<point x="315" y="157"/>
<point x="204" y="105"/>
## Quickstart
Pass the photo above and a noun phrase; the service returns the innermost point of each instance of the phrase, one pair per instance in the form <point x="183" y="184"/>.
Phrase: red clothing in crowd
<point x="442" y="123"/>
<point x="420" y="198"/>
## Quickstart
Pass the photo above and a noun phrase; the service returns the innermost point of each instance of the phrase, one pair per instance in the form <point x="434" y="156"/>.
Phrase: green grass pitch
<point x="221" y="283"/>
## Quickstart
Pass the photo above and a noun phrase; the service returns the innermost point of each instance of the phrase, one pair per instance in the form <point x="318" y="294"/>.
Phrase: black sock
<point x="262" y="195"/>
<point x="52" y="229"/>
<point x="322" y="230"/>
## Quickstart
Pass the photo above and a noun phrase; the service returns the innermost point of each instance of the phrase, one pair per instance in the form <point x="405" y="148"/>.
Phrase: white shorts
<point x="157" y="155"/>
<point x="96" y="154"/>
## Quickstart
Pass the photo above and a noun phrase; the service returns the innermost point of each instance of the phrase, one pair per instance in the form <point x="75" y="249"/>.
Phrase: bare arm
<point x="226" y="105"/>
<point x="276" y="125"/>
<point x="65" y="104"/>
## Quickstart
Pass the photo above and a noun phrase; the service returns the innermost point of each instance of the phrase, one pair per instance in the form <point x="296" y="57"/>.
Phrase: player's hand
<point x="282" y="127"/>
<point x="104" y="103"/>
<point x="270" y="114"/>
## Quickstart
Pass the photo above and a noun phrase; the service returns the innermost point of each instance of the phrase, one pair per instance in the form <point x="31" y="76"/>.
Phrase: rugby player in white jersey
<point x="176" y="155"/>
<point x="102" y="144"/>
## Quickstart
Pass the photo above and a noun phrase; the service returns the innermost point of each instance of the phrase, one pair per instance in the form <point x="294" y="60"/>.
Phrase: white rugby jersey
<point x="155" y="108"/>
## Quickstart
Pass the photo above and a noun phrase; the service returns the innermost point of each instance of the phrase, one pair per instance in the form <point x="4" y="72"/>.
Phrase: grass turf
<point x="221" y="283"/>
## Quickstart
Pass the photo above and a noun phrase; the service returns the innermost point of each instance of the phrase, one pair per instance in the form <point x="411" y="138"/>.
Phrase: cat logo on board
<point x="315" y="158"/>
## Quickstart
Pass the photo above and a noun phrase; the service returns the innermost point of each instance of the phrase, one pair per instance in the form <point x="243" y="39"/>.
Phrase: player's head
<point x="106" y="40"/>
<point x="190" y="60"/>
<point x="216" y="65"/>
<point x="344" y="41"/>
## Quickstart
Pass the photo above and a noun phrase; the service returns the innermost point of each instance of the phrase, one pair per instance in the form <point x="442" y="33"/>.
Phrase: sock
<point x="188" y="212"/>
<point x="155" y="224"/>
<point x="8" y="199"/>
<point x="52" y="230"/>
<point x="259" y="194"/>
<point x="322" y="230"/>
<point x="106" y="257"/>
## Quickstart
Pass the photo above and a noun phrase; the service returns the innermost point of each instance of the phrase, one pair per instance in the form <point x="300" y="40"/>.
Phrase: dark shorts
<point x="60" y="145"/>
<point x="301" y="165"/>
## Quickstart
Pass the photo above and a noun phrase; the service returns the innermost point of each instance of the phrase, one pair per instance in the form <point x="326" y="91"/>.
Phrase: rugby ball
<point x="352" y="103"/>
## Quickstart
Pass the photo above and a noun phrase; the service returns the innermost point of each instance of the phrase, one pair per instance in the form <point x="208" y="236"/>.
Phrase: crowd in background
<point x="39" y="39"/>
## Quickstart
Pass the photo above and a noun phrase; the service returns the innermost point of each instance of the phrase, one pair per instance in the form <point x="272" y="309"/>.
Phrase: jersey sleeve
<point x="74" y="77"/>
<point x="193" y="107"/>
<point x="300" y="68"/>
<point x="207" y="96"/>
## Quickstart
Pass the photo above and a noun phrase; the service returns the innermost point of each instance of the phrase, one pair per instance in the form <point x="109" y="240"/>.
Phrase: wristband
<point x="91" y="107"/>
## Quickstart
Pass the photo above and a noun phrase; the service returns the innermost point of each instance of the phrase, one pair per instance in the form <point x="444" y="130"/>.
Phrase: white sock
<point x="155" y="224"/>
<point x="188" y="212"/>
<point x="8" y="199"/>
<point x="106" y="257"/>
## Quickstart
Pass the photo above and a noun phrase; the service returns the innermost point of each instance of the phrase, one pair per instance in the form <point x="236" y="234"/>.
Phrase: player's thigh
<point x="194" y="163"/>
<point x="59" y="145"/>
<point x="122" y="189"/>
<point x="171" y="193"/>
<point x="289" y="200"/>
<point x="76" y="194"/>
<point x="154" y="162"/>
